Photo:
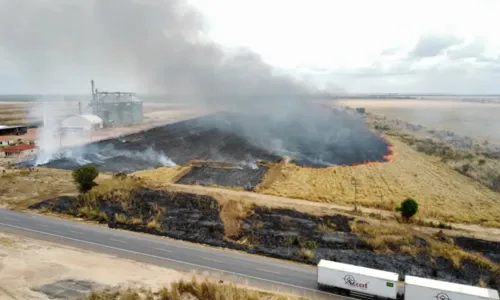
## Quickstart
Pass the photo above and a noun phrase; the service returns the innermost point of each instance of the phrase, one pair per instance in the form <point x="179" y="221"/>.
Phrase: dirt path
<point x="318" y="208"/>
<point x="32" y="269"/>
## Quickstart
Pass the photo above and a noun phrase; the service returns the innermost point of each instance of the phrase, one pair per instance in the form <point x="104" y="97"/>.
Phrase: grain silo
<point x="116" y="108"/>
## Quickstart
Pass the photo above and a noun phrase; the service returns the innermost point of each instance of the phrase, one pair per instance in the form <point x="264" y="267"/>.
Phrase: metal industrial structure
<point x="116" y="108"/>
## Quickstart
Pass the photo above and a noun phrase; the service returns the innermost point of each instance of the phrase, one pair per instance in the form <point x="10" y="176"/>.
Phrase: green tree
<point x="408" y="208"/>
<point x="84" y="177"/>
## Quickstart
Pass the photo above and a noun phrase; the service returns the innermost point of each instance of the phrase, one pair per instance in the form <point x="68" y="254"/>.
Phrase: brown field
<point x="473" y="119"/>
<point x="443" y="194"/>
<point x="20" y="187"/>
<point x="18" y="113"/>
<point x="383" y="236"/>
<point x="192" y="290"/>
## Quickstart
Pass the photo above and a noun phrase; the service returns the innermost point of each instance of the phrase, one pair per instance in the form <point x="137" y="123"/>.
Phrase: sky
<point x="370" y="46"/>
<point x="353" y="46"/>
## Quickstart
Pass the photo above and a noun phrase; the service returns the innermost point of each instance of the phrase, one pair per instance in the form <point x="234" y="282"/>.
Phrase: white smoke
<point x="99" y="154"/>
<point x="47" y="139"/>
<point x="153" y="156"/>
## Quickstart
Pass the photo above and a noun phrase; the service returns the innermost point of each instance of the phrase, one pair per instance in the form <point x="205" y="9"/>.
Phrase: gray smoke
<point x="161" y="46"/>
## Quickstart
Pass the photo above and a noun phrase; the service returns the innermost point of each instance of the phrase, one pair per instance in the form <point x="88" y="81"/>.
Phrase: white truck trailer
<point x="347" y="279"/>
<point x="417" y="288"/>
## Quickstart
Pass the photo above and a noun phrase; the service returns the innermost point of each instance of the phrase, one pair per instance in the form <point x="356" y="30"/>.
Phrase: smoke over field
<point x="224" y="137"/>
<point x="161" y="46"/>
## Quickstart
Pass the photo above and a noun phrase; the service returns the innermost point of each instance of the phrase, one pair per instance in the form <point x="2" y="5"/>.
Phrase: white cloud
<point x="370" y="46"/>
<point x="361" y="45"/>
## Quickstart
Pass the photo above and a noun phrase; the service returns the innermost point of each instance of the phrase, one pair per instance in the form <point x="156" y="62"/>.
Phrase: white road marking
<point x="169" y="259"/>
<point x="268" y="271"/>
<point x="115" y="240"/>
<point x="8" y="218"/>
<point x="42" y="225"/>
<point x="77" y="232"/>
<point x="164" y="250"/>
<point x="290" y="268"/>
<point x="211" y="259"/>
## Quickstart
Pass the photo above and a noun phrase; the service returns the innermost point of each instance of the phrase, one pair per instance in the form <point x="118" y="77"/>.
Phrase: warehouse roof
<point x="93" y="119"/>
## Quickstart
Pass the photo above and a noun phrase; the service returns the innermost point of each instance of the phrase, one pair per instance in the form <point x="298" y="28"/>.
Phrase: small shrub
<point x="307" y="254"/>
<point x="154" y="224"/>
<point x="84" y="177"/>
<point x="121" y="218"/>
<point x="408" y="208"/>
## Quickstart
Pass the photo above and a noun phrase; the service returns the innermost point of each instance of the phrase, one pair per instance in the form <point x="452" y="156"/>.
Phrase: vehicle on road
<point x="361" y="282"/>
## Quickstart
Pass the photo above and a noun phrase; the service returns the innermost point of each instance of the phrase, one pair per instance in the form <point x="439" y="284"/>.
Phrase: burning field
<point x="233" y="149"/>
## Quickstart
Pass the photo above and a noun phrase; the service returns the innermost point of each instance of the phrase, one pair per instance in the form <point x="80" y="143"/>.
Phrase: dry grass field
<point x="443" y="194"/>
<point x="166" y="174"/>
<point x="473" y="119"/>
<point x="18" y="113"/>
<point x="192" y="290"/>
<point x="20" y="187"/>
<point x="383" y="236"/>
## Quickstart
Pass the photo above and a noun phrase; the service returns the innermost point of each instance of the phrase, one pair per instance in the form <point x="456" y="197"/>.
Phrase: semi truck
<point x="417" y="288"/>
<point x="348" y="279"/>
<point x="356" y="281"/>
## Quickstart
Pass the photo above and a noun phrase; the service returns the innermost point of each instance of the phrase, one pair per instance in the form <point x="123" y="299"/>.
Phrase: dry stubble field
<point x="443" y="194"/>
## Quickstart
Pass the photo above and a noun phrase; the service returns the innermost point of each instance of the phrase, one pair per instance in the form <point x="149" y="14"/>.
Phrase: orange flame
<point x="386" y="158"/>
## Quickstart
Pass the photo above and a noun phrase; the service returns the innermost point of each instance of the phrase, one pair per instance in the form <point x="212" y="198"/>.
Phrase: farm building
<point x="116" y="108"/>
<point x="13" y="130"/>
<point x="19" y="150"/>
<point x="82" y="123"/>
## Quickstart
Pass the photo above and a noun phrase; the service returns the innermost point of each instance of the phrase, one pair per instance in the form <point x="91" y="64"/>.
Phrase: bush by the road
<point x="408" y="208"/>
<point x="84" y="177"/>
<point x="189" y="290"/>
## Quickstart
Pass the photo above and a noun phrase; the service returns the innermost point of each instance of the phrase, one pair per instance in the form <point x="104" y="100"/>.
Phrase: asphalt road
<point x="231" y="265"/>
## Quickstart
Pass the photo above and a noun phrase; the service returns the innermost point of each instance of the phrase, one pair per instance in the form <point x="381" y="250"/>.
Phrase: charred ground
<point x="284" y="233"/>
<point x="316" y="137"/>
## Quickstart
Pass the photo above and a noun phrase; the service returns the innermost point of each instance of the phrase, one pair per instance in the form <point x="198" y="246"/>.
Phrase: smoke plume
<point x="162" y="47"/>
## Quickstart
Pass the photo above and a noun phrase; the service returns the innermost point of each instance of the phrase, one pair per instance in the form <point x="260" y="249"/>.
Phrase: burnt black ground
<point x="279" y="233"/>
<point x="233" y="176"/>
<point x="318" y="139"/>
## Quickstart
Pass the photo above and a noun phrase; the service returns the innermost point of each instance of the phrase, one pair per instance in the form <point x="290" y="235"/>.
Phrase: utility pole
<point x="354" y="183"/>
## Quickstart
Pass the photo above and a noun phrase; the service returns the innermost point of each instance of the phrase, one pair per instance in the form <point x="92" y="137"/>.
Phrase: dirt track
<point x="31" y="269"/>
<point x="316" y="208"/>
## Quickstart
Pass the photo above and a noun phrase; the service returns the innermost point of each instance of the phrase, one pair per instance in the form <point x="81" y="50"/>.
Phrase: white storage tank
<point x="82" y="122"/>
<point x="417" y="288"/>
<point x="357" y="279"/>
